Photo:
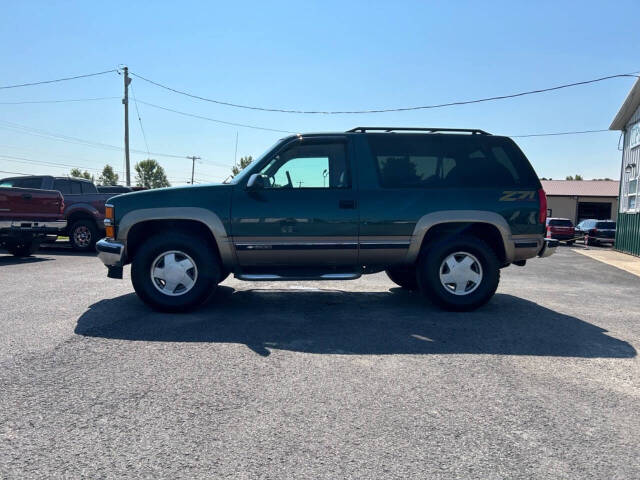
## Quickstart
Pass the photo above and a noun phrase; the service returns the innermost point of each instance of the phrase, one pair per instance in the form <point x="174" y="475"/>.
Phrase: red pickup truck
<point x="84" y="206"/>
<point x="27" y="216"/>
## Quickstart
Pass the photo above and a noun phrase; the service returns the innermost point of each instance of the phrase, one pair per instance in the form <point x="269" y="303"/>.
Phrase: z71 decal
<point x="514" y="195"/>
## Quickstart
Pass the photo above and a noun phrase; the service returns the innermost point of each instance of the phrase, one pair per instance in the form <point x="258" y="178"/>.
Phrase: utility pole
<point x="193" y="159"/>
<point x="125" y="102"/>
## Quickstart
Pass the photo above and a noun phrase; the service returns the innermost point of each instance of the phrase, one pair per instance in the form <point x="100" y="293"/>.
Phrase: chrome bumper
<point x="549" y="248"/>
<point x="51" y="226"/>
<point x="110" y="252"/>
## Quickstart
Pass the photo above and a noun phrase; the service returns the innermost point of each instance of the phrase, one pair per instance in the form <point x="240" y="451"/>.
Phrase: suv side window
<point x="62" y="186"/>
<point x="449" y="161"/>
<point x="320" y="165"/>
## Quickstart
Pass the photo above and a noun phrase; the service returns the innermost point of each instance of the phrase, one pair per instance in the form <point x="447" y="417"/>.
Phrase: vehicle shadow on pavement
<point x="11" y="260"/>
<point x="342" y="322"/>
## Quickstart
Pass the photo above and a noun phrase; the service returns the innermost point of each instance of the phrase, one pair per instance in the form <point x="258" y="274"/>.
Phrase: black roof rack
<point x="473" y="131"/>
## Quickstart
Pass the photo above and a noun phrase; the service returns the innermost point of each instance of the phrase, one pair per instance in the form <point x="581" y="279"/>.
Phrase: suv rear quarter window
<point x="449" y="161"/>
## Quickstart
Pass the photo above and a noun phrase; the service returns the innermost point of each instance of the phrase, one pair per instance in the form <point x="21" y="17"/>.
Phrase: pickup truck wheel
<point x="174" y="272"/>
<point x="83" y="235"/>
<point x="461" y="274"/>
<point x="23" y="248"/>
<point x="404" y="277"/>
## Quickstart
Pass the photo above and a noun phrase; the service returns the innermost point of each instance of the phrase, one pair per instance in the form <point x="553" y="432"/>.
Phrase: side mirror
<point x="256" y="182"/>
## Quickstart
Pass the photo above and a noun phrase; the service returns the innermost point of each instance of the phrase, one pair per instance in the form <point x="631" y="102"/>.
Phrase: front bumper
<point x="548" y="248"/>
<point x="110" y="252"/>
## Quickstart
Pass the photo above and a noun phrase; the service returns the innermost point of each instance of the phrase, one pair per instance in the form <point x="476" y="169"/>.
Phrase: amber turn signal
<point x="108" y="212"/>
<point x="110" y="231"/>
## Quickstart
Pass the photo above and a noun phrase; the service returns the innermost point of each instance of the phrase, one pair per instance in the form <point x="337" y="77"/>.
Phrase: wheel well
<point x="75" y="216"/>
<point x="141" y="231"/>
<point x="485" y="231"/>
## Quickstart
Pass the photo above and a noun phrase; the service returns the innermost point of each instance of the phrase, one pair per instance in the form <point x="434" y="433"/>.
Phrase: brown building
<point x="581" y="199"/>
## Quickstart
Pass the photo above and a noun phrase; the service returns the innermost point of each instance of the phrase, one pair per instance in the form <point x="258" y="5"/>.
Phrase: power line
<point x="15" y="173"/>
<point x="75" y="140"/>
<point x="59" y="101"/>
<point x="385" y="110"/>
<point x="553" y="134"/>
<point x="144" y="136"/>
<point x="11" y="158"/>
<point x="201" y="117"/>
<point x="58" y="79"/>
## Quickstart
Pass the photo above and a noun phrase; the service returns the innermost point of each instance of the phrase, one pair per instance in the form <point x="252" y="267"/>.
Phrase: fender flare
<point x="430" y="220"/>
<point x="202" y="215"/>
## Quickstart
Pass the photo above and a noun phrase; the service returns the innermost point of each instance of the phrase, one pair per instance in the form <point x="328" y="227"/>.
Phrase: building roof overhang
<point x="628" y="108"/>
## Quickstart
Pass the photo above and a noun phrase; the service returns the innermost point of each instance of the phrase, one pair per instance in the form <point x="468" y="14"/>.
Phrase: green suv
<point x="440" y="210"/>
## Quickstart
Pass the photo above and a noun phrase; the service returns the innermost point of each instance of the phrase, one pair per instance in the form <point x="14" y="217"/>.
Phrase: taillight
<point x="542" y="204"/>
<point x="61" y="205"/>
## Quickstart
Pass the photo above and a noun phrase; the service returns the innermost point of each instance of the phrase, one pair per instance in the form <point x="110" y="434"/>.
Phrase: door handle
<point x="27" y="196"/>
<point x="347" y="204"/>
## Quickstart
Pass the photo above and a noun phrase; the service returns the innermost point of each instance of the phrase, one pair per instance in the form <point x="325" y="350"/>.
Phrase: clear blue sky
<point x="313" y="55"/>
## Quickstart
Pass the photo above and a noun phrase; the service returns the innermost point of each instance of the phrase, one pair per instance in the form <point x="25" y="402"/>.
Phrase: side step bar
<point x="271" y="277"/>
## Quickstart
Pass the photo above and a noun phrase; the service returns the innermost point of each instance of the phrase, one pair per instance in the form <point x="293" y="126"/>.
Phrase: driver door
<point x="304" y="212"/>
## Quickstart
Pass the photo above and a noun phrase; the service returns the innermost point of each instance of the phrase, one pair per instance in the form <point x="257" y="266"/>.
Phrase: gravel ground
<point x="319" y="380"/>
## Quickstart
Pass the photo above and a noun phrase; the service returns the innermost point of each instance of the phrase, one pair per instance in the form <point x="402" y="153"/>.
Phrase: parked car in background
<point x="27" y="216"/>
<point x="596" y="232"/>
<point x="440" y="210"/>
<point x="84" y="206"/>
<point x="561" y="229"/>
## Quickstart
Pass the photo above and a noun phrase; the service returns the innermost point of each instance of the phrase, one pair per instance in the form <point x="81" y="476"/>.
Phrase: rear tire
<point x="174" y="272"/>
<point x="83" y="235"/>
<point x="404" y="277"/>
<point x="23" y="248"/>
<point x="460" y="275"/>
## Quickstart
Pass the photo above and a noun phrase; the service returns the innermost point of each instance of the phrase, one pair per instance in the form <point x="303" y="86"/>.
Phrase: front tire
<point x="23" y="248"/>
<point x="83" y="235"/>
<point x="174" y="272"/>
<point x="404" y="277"/>
<point x="461" y="274"/>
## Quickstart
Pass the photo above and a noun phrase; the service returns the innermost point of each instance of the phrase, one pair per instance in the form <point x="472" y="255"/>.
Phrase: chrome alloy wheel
<point x="82" y="236"/>
<point x="173" y="273"/>
<point x="460" y="273"/>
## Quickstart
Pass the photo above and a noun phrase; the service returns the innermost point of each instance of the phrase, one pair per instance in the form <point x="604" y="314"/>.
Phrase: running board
<point x="271" y="277"/>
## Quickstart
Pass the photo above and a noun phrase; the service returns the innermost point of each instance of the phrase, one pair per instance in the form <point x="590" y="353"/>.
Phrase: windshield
<point x="245" y="170"/>
<point x="606" y="225"/>
<point x="560" y="222"/>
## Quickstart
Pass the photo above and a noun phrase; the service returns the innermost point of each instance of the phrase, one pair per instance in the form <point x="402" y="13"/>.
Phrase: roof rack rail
<point x="473" y="131"/>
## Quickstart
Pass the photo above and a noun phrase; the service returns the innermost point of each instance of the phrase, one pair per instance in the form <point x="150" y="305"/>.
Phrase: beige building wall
<point x="567" y="207"/>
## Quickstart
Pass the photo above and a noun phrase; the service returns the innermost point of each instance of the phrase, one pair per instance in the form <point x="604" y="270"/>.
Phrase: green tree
<point x="149" y="174"/>
<point x="574" y="177"/>
<point x="75" y="172"/>
<point x="244" y="162"/>
<point x="108" y="176"/>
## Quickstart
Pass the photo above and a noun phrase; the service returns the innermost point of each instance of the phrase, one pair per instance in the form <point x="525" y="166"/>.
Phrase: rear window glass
<point x="450" y="161"/>
<point x="606" y="225"/>
<point x="75" y="188"/>
<point x="88" y="187"/>
<point x="22" y="182"/>
<point x="560" y="223"/>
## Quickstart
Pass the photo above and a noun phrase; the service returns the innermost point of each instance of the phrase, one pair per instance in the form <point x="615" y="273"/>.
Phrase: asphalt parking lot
<point x="327" y="380"/>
